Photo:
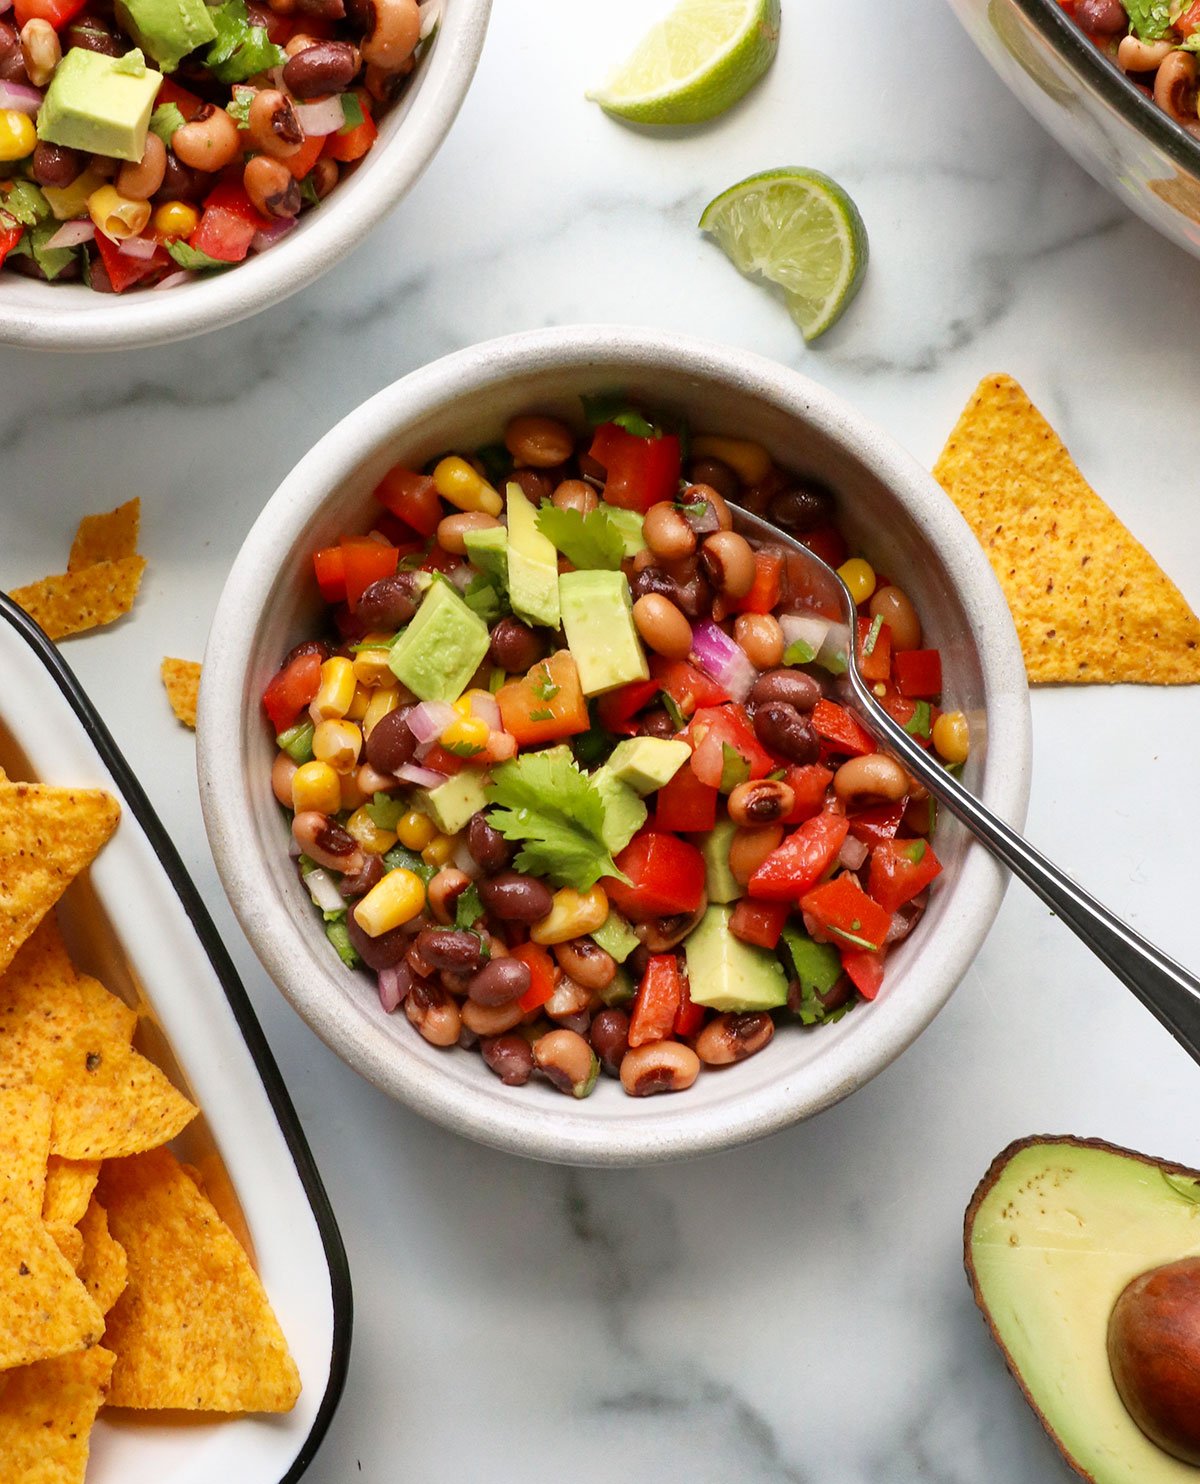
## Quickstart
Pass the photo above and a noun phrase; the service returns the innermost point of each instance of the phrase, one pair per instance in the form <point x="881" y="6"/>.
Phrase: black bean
<point x="513" y="897"/>
<point x="801" y="507"/>
<point x="93" y="35"/>
<point x="515" y="646"/>
<point x="500" y="981"/>
<point x="309" y="646"/>
<point x="797" y="689"/>
<point x="657" y="723"/>
<point x="391" y="743"/>
<point x="54" y="165"/>
<point x="510" y="1057"/>
<point x="390" y="602"/>
<point x="450" y="949"/>
<point x="638" y="961"/>
<point x="537" y="485"/>
<point x="716" y="475"/>
<point x="327" y="67"/>
<point x="1103" y="17"/>
<point x="609" y="1035"/>
<point x="694" y="595"/>
<point x="378" y="953"/>
<point x="489" y="849"/>
<point x="180" y="182"/>
<point x="782" y="730"/>
<point x="652" y="582"/>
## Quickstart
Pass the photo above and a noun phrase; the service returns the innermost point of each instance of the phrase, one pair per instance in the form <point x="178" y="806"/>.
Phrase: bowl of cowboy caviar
<point x="169" y="166"/>
<point x="532" y="782"/>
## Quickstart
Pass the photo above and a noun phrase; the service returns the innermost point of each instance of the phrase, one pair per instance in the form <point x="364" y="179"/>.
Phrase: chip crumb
<point x="1107" y="615"/>
<point x="106" y="538"/>
<point x="182" y="681"/>
<point x="74" y="602"/>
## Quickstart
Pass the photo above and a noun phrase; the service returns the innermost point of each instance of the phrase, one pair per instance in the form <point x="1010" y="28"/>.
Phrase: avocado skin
<point x="1169" y="1469"/>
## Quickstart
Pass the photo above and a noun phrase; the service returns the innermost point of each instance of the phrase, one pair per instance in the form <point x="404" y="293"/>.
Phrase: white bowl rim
<point x="517" y="1127"/>
<point x="68" y="321"/>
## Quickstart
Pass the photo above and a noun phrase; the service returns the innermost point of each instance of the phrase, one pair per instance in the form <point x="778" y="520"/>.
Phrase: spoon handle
<point x="1166" y="988"/>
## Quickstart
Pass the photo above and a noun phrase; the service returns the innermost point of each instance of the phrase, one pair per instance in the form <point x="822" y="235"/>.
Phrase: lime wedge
<point x="797" y="229"/>
<point x="694" y="64"/>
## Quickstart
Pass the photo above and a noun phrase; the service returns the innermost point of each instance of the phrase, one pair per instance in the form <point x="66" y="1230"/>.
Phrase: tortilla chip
<point x="69" y="1241"/>
<point x="77" y="601"/>
<point x="40" y="1011"/>
<point x="182" y="680"/>
<point x="47" y="836"/>
<point x="46" y="1416"/>
<point x="104" y="1270"/>
<point x="106" y="538"/>
<point x="193" y="1329"/>
<point x="1089" y="602"/>
<point x="69" y="1186"/>
<point x="25" y="1114"/>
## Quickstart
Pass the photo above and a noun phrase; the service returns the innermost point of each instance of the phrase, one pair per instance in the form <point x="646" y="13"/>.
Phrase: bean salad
<point x="570" y="773"/>
<point x="1153" y="44"/>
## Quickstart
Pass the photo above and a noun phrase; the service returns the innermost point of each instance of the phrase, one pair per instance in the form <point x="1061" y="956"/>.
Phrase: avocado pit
<point x="1154" y="1355"/>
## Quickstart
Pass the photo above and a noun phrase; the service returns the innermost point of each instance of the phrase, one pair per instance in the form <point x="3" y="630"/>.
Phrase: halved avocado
<point x="1055" y="1230"/>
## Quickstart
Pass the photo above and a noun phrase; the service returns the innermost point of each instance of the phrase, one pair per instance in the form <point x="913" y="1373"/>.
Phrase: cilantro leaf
<point x="544" y="687"/>
<point x="339" y="935"/>
<point x="635" y="423"/>
<point x="192" y="258"/>
<point x="24" y="203"/>
<point x="1190" y="43"/>
<point x="166" y="118"/>
<point x="734" y="768"/>
<point x="589" y="542"/>
<point x="352" y="113"/>
<point x="483" y="597"/>
<point x="51" y="260"/>
<point x="919" y="723"/>
<point x="385" y="811"/>
<point x="1150" y="19"/>
<point x="799" y="652"/>
<point x="557" y="813"/>
<point x="399" y="856"/>
<point x="240" y="50"/>
<point x="872" y="636"/>
<point x="238" y="107"/>
<point x="468" y="907"/>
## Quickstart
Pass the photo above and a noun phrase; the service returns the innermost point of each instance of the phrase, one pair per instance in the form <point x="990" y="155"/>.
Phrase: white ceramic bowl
<point x="271" y="602"/>
<point x="70" y="316"/>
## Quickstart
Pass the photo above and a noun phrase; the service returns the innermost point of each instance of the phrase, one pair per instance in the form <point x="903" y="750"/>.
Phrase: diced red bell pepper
<point x="308" y="154"/>
<point x="365" y="561"/>
<point x="899" y="870"/>
<point x="838" y="726"/>
<point x="290" y="690"/>
<point x="918" y="673"/>
<point x="877" y="822"/>
<point x="691" y="1016"/>
<point x="687" y="686"/>
<point x="638" y="471"/>
<point x="617" y="708"/>
<point x="864" y="970"/>
<point x="712" y="730"/>
<point x="228" y="224"/>
<point x="657" y="1001"/>
<point x="685" y="805"/>
<point x="759" y="922"/>
<point x="545" y="705"/>
<point x="541" y="974"/>
<point x="329" y="565"/>
<point x="1189" y="22"/>
<point x="412" y="497"/>
<point x="442" y="760"/>
<point x="828" y="543"/>
<point x="666" y="877"/>
<point x="123" y="270"/>
<point x="799" y="863"/>
<point x="763" y="596"/>
<point x="841" y="908"/>
<point x="352" y="144"/>
<point x="9" y="237"/>
<point x="57" y="12"/>
<point x="169" y="91"/>
<point x="876" y="666"/>
<point x="810" y="785"/>
<point x="902" y="711"/>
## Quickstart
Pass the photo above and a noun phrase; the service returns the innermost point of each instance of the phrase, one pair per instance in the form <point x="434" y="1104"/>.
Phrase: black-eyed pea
<point x="584" y="961"/>
<point x="760" y="638"/>
<point x="733" y="1037"/>
<point x="433" y="1013"/>
<point x="272" y="125"/>
<point x="539" y="442"/>
<point x="764" y="801"/>
<point x="749" y="847"/>
<point x="567" y="1061"/>
<point x="728" y="563"/>
<point x="663" y="627"/>
<point x="393" y="32"/>
<point x="875" y="776"/>
<point x="658" y="1066"/>
<point x="208" y="141"/>
<point x="491" y="1020"/>
<point x="271" y="186"/>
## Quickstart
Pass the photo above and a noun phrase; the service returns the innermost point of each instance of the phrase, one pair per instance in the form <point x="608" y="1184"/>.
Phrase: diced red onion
<point x="174" y="280"/>
<point x="393" y="982"/>
<point x="430" y="14"/>
<point x="853" y="853"/>
<point x="717" y="655"/>
<point x="421" y="777"/>
<point x="142" y="248"/>
<point x="430" y="719"/>
<point x="487" y="709"/>
<point x="18" y="96"/>
<point x="465" y="861"/>
<point x="268" y="236"/>
<point x="325" y="117"/>
<point x="72" y="234"/>
<point x="899" y="927"/>
<point x="5" y="5"/>
<point x="462" y="577"/>
<point x="323" y="890"/>
<point x="806" y="627"/>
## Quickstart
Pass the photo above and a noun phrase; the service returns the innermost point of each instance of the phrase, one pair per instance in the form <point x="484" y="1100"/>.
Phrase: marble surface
<point x="795" y="1311"/>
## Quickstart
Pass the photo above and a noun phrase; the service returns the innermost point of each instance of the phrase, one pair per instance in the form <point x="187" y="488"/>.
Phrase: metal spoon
<point x="1166" y="989"/>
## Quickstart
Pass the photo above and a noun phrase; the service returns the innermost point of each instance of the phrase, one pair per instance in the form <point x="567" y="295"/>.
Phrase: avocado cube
<point x="597" y="616"/>
<point x="647" y="763"/>
<point x="442" y="648"/>
<point x="727" y="974"/>
<point x="167" y="30"/>
<point x="624" y="812"/>
<point x="532" y="564"/>
<point x="98" y="104"/>
<point x="616" y="937"/>
<point x="488" y="549"/>
<point x="629" y="526"/>
<point x="720" y="884"/>
<point x="451" y="804"/>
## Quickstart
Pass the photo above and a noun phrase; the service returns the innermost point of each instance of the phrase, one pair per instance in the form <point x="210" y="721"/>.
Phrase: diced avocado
<point x="167" y="29"/>
<point x="620" y="990"/>
<point x="616" y="937"/>
<point x="532" y="564"/>
<point x="597" y="615"/>
<point x="451" y="804"/>
<point x="624" y="812"/>
<point x="98" y="104"/>
<point x="647" y="763"/>
<point x="727" y="974"/>
<point x="442" y="648"/>
<point x="629" y="524"/>
<point x="719" y="880"/>
<point x="488" y="549"/>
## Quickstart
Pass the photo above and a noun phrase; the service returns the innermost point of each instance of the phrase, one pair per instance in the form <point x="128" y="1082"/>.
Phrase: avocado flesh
<point x="1055" y="1231"/>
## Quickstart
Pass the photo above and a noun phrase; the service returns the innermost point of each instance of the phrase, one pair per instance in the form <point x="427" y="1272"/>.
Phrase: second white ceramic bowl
<point x="888" y="505"/>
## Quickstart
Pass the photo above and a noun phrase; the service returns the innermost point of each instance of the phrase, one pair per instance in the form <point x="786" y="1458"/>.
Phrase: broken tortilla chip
<point x="103" y="1271"/>
<point x="46" y="1415"/>
<point x="47" y="836"/>
<point x="193" y="1329"/>
<point x="106" y="538"/>
<point x="87" y="599"/>
<point x="1089" y="602"/>
<point x="68" y="1240"/>
<point x="182" y="680"/>
<point x="69" y="1186"/>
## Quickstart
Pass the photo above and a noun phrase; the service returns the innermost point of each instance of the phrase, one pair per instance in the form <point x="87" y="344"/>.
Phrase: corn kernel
<point x="382" y="701"/>
<point x="859" y="577"/>
<point x="749" y="461"/>
<point x="462" y="706"/>
<point x="374" y="841"/>
<point x="175" y="219"/>
<point x="18" y="136"/>
<point x="115" y="215"/>
<point x="457" y="482"/>
<point x="315" y="786"/>
<point x="952" y="737"/>
<point x="390" y="903"/>
<point x="573" y="914"/>
<point x="358" y="706"/>
<point x="353" y="795"/>
<point x="337" y="743"/>
<point x="371" y="665"/>
<point x="336" y="693"/>
<point x="470" y="732"/>
<point x="440" y="850"/>
<point x="415" y="830"/>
